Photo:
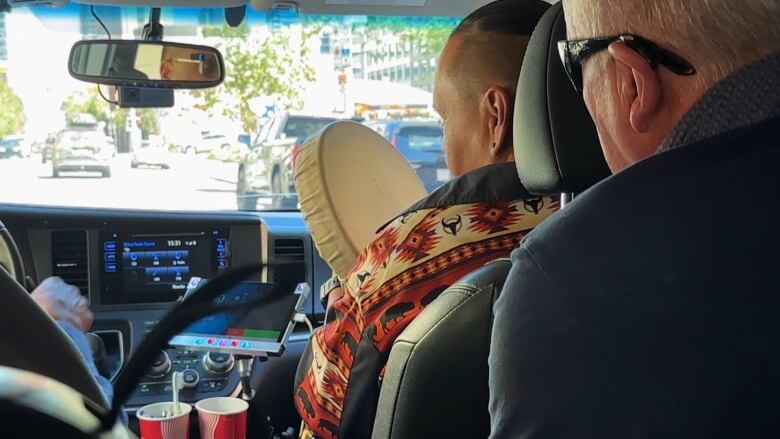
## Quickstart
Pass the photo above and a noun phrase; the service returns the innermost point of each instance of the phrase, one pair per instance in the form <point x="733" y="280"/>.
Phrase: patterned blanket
<point x="413" y="259"/>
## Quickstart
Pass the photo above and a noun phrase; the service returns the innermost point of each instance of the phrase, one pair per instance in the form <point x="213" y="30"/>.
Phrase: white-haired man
<point x="650" y="308"/>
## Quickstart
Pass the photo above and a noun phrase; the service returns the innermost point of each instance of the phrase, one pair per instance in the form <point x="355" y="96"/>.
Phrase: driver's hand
<point x="63" y="302"/>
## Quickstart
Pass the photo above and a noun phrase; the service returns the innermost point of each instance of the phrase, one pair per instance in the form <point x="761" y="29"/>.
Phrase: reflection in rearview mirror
<point x="146" y="63"/>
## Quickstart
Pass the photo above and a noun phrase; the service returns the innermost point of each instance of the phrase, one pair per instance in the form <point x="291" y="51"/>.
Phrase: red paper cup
<point x="222" y="418"/>
<point x="157" y="422"/>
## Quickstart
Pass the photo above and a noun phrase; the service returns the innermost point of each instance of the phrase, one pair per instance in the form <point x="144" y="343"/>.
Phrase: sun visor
<point x="350" y="182"/>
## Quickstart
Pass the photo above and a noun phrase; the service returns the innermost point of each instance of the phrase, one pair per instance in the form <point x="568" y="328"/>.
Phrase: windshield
<point x="225" y="148"/>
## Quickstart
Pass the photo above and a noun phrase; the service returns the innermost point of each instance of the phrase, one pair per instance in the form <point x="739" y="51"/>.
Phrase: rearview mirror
<point x="146" y="63"/>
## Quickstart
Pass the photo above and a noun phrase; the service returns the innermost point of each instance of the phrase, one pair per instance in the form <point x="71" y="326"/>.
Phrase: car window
<point x="288" y="76"/>
<point x="422" y="138"/>
<point x="303" y="128"/>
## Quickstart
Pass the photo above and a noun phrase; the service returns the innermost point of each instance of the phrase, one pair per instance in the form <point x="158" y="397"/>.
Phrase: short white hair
<point x="717" y="36"/>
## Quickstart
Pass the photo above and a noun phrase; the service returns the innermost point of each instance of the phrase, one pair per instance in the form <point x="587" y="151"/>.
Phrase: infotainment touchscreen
<point x="251" y="330"/>
<point x="144" y="268"/>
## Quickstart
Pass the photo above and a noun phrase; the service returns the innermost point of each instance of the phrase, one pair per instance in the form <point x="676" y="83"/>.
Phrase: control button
<point x="133" y="259"/>
<point x="109" y="256"/>
<point x="217" y="363"/>
<point x="110" y="267"/>
<point x="213" y="385"/>
<point x="109" y="246"/>
<point x="190" y="378"/>
<point x="160" y="366"/>
<point x="155" y="259"/>
<point x="222" y="263"/>
<point x="148" y="389"/>
<point x="178" y="255"/>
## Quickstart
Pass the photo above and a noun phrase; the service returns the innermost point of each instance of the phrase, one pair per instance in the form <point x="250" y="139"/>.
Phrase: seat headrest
<point x="350" y="182"/>
<point x="557" y="149"/>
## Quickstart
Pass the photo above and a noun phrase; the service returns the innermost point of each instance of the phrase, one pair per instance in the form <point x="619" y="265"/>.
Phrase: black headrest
<point x="557" y="148"/>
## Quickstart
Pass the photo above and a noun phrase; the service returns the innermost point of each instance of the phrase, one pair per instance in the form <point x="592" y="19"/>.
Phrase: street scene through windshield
<point x="230" y="147"/>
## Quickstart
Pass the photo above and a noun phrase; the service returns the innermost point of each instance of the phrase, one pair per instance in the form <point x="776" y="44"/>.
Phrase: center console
<point x="139" y="275"/>
<point x="205" y="374"/>
<point x="140" y="267"/>
<point x="133" y="266"/>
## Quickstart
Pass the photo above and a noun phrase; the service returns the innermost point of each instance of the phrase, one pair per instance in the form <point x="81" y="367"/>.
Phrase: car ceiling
<point x="453" y="8"/>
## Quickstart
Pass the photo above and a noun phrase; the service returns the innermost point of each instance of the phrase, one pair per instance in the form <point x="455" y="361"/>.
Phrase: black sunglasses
<point x="574" y="53"/>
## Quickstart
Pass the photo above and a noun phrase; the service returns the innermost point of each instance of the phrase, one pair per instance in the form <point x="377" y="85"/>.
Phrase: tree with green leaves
<point x="12" y="117"/>
<point x="275" y="66"/>
<point x="90" y="102"/>
<point x="86" y="101"/>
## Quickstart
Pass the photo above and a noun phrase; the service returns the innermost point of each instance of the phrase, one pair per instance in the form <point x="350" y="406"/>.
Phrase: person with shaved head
<point x="650" y="307"/>
<point x="476" y="218"/>
<point x="476" y="80"/>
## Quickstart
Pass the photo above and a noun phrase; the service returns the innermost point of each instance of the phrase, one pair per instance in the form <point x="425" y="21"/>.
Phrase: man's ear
<point x="639" y="86"/>
<point x="498" y="106"/>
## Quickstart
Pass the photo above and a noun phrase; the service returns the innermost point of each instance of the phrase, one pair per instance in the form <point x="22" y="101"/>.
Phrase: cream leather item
<point x="350" y="182"/>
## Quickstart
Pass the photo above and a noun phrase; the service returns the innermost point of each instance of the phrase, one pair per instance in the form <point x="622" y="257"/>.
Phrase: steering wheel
<point x="10" y="257"/>
<point x="58" y="357"/>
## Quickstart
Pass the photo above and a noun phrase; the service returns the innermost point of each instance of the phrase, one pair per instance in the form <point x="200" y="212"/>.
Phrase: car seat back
<point x="436" y="383"/>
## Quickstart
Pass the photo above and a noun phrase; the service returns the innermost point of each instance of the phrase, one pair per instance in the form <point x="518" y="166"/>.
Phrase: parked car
<point x="420" y="142"/>
<point x="267" y="172"/>
<point x="15" y="146"/>
<point x="82" y="151"/>
<point x="152" y="152"/>
<point x="213" y="143"/>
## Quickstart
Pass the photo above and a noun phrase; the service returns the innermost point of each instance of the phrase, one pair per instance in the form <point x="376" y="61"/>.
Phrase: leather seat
<point x="350" y="182"/>
<point x="557" y="149"/>
<point x="436" y="379"/>
<point x="436" y="382"/>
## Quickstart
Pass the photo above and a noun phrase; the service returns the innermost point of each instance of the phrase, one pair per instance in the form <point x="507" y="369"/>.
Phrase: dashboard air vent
<point x="290" y="252"/>
<point x="69" y="257"/>
<point x="289" y="249"/>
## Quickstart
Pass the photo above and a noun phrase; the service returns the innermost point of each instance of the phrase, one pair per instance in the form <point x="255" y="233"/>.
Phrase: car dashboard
<point x="133" y="266"/>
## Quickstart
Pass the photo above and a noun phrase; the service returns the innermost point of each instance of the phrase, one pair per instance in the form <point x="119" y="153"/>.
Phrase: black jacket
<point x="650" y="306"/>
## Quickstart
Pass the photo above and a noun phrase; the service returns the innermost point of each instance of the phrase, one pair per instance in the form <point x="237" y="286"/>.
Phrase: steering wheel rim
<point x="60" y="359"/>
<point x="17" y="269"/>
